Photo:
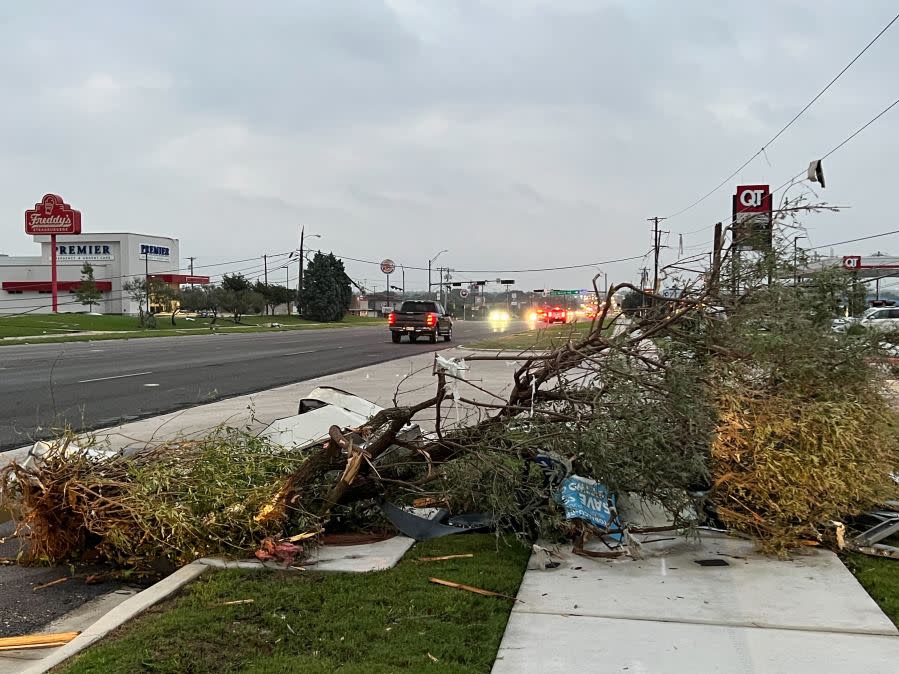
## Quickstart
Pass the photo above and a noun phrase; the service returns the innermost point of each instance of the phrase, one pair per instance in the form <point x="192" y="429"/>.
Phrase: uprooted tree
<point x="733" y="404"/>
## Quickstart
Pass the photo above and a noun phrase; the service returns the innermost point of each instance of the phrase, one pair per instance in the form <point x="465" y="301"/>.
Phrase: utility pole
<point x="300" y="279"/>
<point x="265" y="266"/>
<point x="191" y="265"/>
<point x="655" y="245"/>
<point x="715" y="261"/>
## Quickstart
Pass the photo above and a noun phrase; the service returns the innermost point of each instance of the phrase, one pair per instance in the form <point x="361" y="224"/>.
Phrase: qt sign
<point x="753" y="199"/>
<point x="852" y="262"/>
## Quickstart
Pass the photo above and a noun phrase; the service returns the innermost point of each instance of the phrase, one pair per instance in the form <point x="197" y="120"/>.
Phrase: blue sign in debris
<point x="588" y="500"/>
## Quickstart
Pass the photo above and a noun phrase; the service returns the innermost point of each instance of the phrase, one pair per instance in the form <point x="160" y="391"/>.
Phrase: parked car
<point x="882" y="319"/>
<point x="420" y="318"/>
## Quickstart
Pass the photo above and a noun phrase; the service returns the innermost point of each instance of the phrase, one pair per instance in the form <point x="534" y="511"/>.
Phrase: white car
<point x="882" y="319"/>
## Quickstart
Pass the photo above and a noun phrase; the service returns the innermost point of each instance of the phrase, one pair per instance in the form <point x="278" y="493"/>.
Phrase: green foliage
<point x="327" y="294"/>
<point x="632" y="300"/>
<point x="385" y="621"/>
<point x="235" y="282"/>
<point x="87" y="292"/>
<point x="804" y="433"/>
<point x="176" y="502"/>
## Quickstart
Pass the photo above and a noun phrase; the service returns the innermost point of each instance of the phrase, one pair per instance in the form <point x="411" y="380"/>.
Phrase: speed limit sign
<point x="463" y="293"/>
<point x="388" y="266"/>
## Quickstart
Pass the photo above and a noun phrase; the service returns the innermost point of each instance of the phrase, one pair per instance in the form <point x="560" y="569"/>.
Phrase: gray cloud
<point x="516" y="133"/>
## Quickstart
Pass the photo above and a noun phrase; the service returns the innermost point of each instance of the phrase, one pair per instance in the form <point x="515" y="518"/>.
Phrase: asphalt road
<point x="91" y="385"/>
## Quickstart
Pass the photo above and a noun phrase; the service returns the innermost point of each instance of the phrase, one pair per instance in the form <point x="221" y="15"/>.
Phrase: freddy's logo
<point x="52" y="216"/>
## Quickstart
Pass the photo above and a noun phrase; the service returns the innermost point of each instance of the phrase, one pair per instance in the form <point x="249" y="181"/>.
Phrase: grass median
<point x="385" y="621"/>
<point x="84" y="327"/>
<point x="880" y="578"/>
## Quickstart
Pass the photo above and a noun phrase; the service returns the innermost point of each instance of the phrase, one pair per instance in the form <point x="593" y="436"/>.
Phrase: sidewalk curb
<point x="122" y="613"/>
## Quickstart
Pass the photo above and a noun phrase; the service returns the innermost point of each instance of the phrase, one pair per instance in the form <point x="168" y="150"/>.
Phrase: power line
<point x="790" y="123"/>
<point x="861" y="238"/>
<point x="834" y="149"/>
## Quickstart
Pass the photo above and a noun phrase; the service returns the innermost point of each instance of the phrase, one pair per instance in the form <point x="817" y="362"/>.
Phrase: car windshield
<point x="418" y="307"/>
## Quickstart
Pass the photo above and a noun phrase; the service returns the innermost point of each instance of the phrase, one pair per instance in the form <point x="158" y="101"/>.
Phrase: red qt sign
<point x="752" y="199"/>
<point x="52" y="216"/>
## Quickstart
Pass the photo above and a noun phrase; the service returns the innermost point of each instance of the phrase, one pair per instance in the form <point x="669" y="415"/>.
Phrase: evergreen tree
<point x="87" y="291"/>
<point x="326" y="289"/>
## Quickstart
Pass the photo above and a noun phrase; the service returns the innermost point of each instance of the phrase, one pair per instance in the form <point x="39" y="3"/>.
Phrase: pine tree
<point x="87" y="292"/>
<point x="326" y="289"/>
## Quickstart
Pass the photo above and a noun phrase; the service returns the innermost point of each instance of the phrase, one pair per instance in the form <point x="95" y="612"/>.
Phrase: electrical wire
<point x="788" y="124"/>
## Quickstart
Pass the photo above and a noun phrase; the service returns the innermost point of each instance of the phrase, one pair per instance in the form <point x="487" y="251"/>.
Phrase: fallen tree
<point x="732" y="404"/>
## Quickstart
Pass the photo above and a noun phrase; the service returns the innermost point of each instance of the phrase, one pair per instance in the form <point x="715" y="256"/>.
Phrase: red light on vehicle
<point x="430" y="320"/>
<point x="391" y="319"/>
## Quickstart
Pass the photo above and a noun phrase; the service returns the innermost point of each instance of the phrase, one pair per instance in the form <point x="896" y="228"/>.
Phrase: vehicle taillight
<point x="391" y="319"/>
<point x="430" y="320"/>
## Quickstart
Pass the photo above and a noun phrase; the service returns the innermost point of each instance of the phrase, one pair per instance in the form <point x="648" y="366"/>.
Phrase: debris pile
<point x="753" y="417"/>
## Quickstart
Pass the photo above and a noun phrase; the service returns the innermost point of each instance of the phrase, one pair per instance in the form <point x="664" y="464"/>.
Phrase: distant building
<point x="375" y="304"/>
<point x="117" y="257"/>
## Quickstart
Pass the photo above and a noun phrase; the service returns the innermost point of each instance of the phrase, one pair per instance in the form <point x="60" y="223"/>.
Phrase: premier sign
<point x="91" y="252"/>
<point x="52" y="216"/>
<point x="151" y="252"/>
<point x="752" y="211"/>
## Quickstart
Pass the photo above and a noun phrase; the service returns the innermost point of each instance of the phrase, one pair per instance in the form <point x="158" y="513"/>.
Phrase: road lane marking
<point x="118" y="376"/>
<point x="151" y="385"/>
<point x="300" y="353"/>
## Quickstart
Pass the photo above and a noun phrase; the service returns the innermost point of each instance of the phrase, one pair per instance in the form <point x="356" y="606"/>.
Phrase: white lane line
<point x="118" y="376"/>
<point x="151" y="385"/>
<point x="300" y="353"/>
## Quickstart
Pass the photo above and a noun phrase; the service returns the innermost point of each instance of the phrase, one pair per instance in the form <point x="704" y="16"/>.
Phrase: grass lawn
<point x="66" y="327"/>
<point x="541" y="337"/>
<point x="386" y="621"/>
<point x="880" y="577"/>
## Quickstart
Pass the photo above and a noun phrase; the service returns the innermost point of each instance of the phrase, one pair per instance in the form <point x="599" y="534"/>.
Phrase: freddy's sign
<point x="52" y="216"/>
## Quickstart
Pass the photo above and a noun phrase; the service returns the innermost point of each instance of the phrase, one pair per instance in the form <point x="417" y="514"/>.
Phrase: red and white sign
<point x="388" y="266"/>
<point x="52" y="216"/>
<point x="753" y="199"/>
<point x="852" y="262"/>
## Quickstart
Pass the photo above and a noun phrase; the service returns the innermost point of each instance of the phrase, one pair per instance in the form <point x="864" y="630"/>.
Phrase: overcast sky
<point x="515" y="133"/>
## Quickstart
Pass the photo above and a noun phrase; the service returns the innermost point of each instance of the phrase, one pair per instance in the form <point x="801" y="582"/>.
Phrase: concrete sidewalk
<point x="666" y="613"/>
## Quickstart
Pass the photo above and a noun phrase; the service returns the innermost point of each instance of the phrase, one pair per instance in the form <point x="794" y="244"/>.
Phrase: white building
<point x="25" y="282"/>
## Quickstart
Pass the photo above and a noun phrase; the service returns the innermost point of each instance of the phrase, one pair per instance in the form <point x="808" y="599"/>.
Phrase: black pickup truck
<point x="419" y="318"/>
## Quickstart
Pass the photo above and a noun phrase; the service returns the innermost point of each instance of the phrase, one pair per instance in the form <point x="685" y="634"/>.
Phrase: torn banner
<point x="588" y="500"/>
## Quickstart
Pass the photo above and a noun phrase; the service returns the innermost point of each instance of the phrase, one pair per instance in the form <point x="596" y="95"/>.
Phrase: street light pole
<point x="430" y="285"/>
<point x="300" y="280"/>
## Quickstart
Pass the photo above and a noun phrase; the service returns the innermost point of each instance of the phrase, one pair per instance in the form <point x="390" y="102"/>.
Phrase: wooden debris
<point x="429" y="502"/>
<point x="36" y="640"/>
<point x="305" y="536"/>
<point x="444" y="557"/>
<point x="470" y="588"/>
<point x="433" y="659"/>
<point x="50" y="584"/>
<point x="235" y="602"/>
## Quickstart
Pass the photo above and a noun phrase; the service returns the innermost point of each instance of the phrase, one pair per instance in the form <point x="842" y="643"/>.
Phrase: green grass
<point x="385" y="621"/>
<point x="541" y="337"/>
<point x="70" y="327"/>
<point x="880" y="578"/>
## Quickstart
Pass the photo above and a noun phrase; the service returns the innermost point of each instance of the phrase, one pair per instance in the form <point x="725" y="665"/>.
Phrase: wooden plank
<point x="445" y="557"/>
<point x="469" y="588"/>
<point x="37" y="640"/>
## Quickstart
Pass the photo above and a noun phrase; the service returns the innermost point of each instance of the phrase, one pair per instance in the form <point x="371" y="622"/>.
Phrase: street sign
<point x="463" y="293"/>
<point x="852" y="262"/>
<point x="565" y="292"/>
<point x="388" y="266"/>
